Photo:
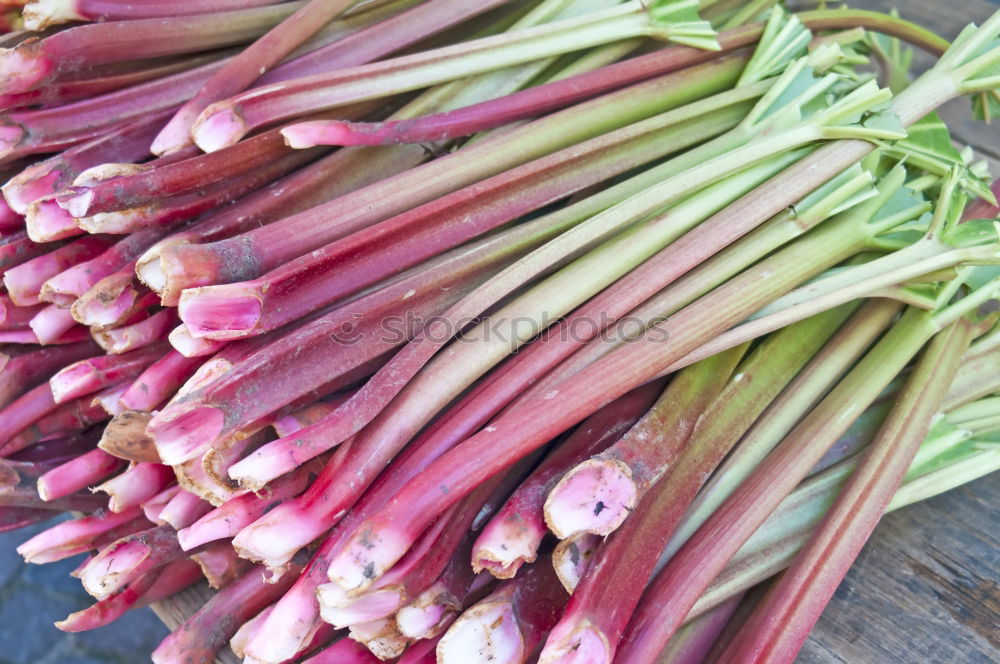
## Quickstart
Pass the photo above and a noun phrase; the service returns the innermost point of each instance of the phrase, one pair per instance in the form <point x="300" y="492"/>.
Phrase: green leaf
<point x="784" y="39"/>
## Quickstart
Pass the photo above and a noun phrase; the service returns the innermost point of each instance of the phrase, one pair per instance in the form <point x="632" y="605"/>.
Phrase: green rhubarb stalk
<point x="778" y="627"/>
<point x="774" y="545"/>
<point x="825" y="368"/>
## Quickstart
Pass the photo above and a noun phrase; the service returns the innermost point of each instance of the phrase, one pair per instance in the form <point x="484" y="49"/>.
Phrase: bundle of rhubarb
<point x="416" y="327"/>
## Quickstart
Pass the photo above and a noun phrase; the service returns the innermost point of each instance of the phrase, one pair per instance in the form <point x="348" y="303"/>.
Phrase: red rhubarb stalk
<point x="241" y="71"/>
<point x="265" y="249"/>
<point x="128" y="143"/>
<point x="113" y="301"/>
<point x="18" y="248"/>
<point x="203" y="634"/>
<point x="340" y="336"/>
<point x="153" y="586"/>
<point x="335" y="270"/>
<point x="64" y="288"/>
<point x="219" y="563"/>
<point x="513" y="536"/>
<point x="239" y="512"/>
<point x="384" y="37"/>
<point x="779" y="625"/>
<point x="41" y="14"/>
<point x="224" y="123"/>
<point x="31" y="64"/>
<point x="331" y="176"/>
<point x="344" y="651"/>
<point x="68" y="418"/>
<point x="159" y="381"/>
<point x="14" y="317"/>
<point x="23" y="412"/>
<point x="51" y="323"/>
<point x="23" y="370"/>
<point x="51" y="129"/>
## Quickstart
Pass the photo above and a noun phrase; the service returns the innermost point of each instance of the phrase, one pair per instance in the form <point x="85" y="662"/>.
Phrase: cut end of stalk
<point x="71" y="382"/>
<point x="367" y="556"/>
<point x="218" y="127"/>
<point x="220" y="312"/>
<point x="105" y="305"/>
<point x="11" y="137"/>
<point x="584" y="645"/>
<point x="125" y="437"/>
<point x="595" y="497"/>
<point x="272" y="540"/>
<point x="321" y="132"/>
<point x="502" y="548"/>
<point x="175" y="136"/>
<point x="572" y="557"/>
<point x="429" y="614"/>
<point x="45" y="221"/>
<point x="488" y="629"/>
<point x="77" y="205"/>
<point x="112" y="568"/>
<point x="341" y="611"/>
<point x="35" y="182"/>
<point x="149" y="271"/>
<point x="21" y="69"/>
<point x="181" y="340"/>
<point x="185" y="431"/>
<point x="40" y="14"/>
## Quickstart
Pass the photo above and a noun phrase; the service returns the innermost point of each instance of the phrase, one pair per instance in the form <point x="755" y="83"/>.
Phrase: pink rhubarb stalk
<point x="240" y="511"/>
<point x="183" y="509"/>
<point x="113" y="301"/>
<point x="265" y="249"/>
<point x="138" y="335"/>
<point x="163" y="266"/>
<point x="22" y="413"/>
<point x="69" y="418"/>
<point x="219" y="563"/>
<point x="83" y="471"/>
<point x="24" y="282"/>
<point x="136" y="485"/>
<point x="70" y="538"/>
<point x="159" y="381"/>
<point x="128" y="143"/>
<point x="170" y="210"/>
<point x="89" y="376"/>
<point x="52" y="323"/>
<point x="13" y="317"/>
<point x="64" y="288"/>
<point x="368" y="254"/>
<point x="336" y="343"/>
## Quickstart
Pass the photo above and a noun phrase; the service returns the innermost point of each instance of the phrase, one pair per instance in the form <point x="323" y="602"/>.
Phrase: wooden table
<point x="925" y="588"/>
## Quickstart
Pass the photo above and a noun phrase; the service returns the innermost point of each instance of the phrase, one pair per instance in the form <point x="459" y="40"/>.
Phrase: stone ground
<point x="32" y="597"/>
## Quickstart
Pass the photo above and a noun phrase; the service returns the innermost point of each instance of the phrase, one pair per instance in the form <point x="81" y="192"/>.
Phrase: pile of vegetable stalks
<point x="498" y="331"/>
